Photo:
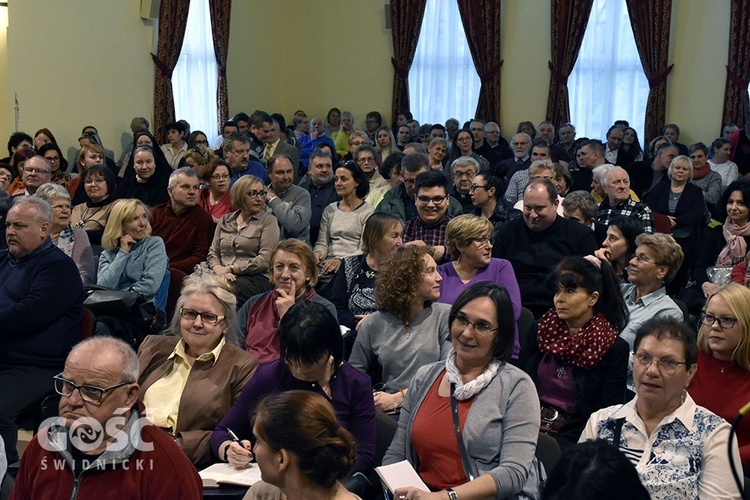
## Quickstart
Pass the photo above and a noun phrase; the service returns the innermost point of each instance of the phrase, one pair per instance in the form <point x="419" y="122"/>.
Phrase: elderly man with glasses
<point x="101" y="442"/>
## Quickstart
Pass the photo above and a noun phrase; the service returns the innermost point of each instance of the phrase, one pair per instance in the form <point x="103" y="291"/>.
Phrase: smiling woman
<point x="195" y="358"/>
<point x="409" y="329"/>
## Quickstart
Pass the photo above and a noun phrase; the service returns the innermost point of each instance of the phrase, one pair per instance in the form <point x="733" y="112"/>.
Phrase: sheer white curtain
<point x="443" y="82"/>
<point x="608" y="82"/>
<point x="196" y="76"/>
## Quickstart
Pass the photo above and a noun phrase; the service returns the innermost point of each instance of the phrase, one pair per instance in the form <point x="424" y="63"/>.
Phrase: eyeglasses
<point x="483" y="242"/>
<point x="474" y="187"/>
<point x="255" y="194"/>
<point x="37" y="171"/>
<point x="366" y="159"/>
<point x="52" y="159"/>
<point x="64" y="206"/>
<point x="725" y="322"/>
<point x="461" y="175"/>
<point x="481" y="328"/>
<point x="463" y="139"/>
<point x="410" y="182"/>
<point x="89" y="393"/>
<point x="425" y="200"/>
<point x="219" y="177"/>
<point x="208" y="318"/>
<point x="666" y="366"/>
<point x="641" y="258"/>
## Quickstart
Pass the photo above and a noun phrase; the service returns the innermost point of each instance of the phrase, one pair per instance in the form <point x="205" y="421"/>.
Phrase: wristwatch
<point x="452" y="495"/>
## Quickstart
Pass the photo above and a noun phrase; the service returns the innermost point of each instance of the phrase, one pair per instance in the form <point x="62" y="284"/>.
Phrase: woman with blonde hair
<point x="385" y="142"/>
<point x="469" y="238"/>
<point x="132" y="260"/>
<point x="409" y="330"/>
<point x="244" y="239"/>
<point x="724" y="359"/>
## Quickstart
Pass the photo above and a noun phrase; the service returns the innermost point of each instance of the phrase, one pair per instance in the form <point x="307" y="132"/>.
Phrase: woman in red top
<point x="216" y="198"/>
<point x="722" y="383"/>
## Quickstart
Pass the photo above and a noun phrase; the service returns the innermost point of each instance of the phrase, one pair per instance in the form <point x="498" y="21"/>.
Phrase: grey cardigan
<point x="500" y="432"/>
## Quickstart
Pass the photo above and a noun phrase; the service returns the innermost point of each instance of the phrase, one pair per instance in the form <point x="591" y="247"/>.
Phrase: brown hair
<point x="398" y="282"/>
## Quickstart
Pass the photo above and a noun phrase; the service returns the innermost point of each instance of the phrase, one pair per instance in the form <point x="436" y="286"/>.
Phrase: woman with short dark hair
<point x="678" y="448"/>
<point x="312" y="360"/>
<point x="469" y="424"/>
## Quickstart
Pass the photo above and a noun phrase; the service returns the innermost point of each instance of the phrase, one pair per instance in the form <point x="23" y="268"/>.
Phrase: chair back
<point x="87" y="324"/>
<point x="175" y="287"/>
<point x="661" y="223"/>
<point x="547" y="451"/>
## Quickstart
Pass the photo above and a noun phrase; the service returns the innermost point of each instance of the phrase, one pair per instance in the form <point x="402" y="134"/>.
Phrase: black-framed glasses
<point x="208" y="318"/>
<point x="725" y="322"/>
<point x="480" y="327"/>
<point x="255" y="194"/>
<point x="474" y="187"/>
<point x="89" y="393"/>
<point x="425" y="200"/>
<point x="641" y="258"/>
<point x="666" y="366"/>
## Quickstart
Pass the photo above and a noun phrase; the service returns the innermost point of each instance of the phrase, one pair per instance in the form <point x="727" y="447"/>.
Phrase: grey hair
<point x="211" y="284"/>
<point x="51" y="191"/>
<point x="130" y="367"/>
<point x="186" y="171"/>
<point x="462" y="161"/>
<point x="43" y="208"/>
<point x="601" y="171"/>
<point x="487" y="126"/>
<point x="580" y="200"/>
<point x="605" y="177"/>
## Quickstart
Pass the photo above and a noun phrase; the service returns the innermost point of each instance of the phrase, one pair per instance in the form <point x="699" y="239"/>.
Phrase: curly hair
<point x="398" y="283"/>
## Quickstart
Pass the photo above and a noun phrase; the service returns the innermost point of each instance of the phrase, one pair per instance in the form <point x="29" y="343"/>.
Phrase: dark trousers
<point x="22" y="387"/>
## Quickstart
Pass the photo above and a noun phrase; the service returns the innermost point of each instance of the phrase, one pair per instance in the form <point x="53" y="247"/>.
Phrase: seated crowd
<point x="476" y="291"/>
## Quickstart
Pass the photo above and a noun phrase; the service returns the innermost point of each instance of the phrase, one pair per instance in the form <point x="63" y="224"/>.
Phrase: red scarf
<point x="585" y="349"/>
<point x="262" y="329"/>
<point x="700" y="174"/>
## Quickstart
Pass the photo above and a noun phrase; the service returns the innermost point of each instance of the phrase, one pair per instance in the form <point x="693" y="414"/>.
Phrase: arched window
<point x="443" y="82"/>
<point x="608" y="82"/>
<point x="195" y="78"/>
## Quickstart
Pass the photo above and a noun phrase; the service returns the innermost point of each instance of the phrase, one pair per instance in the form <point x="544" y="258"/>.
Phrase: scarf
<point x="66" y="241"/>
<point x="585" y="349"/>
<point x="467" y="390"/>
<point x="700" y="174"/>
<point x="736" y="248"/>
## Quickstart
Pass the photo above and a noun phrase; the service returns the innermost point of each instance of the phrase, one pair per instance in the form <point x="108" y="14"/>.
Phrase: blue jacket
<point x="142" y="269"/>
<point x="41" y="307"/>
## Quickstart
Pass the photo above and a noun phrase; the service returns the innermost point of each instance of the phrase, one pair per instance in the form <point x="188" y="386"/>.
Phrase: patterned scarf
<point x="584" y="349"/>
<point x="466" y="390"/>
<point x="66" y="240"/>
<point x="736" y="248"/>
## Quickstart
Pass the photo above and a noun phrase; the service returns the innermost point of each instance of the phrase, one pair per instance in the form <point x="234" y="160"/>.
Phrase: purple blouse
<point x="499" y="271"/>
<point x="351" y="399"/>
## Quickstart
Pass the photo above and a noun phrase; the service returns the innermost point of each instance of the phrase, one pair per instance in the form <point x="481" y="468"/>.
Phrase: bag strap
<point x="457" y="429"/>
<point x="618" y="432"/>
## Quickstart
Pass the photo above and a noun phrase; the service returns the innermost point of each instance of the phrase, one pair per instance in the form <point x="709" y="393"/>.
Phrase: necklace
<point x="722" y="365"/>
<point x="86" y="218"/>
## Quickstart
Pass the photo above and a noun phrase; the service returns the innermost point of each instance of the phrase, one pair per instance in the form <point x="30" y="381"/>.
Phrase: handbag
<point x="105" y="301"/>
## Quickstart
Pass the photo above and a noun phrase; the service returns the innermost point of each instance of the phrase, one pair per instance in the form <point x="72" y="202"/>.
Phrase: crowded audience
<point x="269" y="283"/>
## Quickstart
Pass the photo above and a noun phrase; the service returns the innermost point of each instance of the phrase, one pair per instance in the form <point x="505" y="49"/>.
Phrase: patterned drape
<point x="406" y="23"/>
<point x="569" y="21"/>
<point x="220" y="15"/>
<point x="650" y="20"/>
<point x="481" y="21"/>
<point x="736" y="103"/>
<point x="172" y="23"/>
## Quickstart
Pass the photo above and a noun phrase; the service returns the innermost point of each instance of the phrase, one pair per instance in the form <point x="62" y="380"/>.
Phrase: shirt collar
<point x="685" y="413"/>
<point x="212" y="356"/>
